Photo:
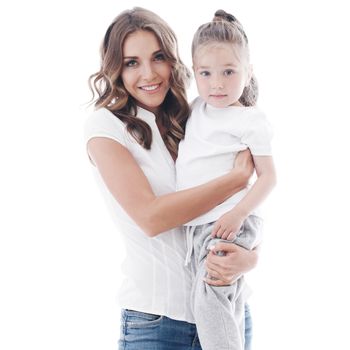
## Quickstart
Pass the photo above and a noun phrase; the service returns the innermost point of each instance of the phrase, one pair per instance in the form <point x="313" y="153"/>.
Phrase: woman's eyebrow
<point x="135" y="57"/>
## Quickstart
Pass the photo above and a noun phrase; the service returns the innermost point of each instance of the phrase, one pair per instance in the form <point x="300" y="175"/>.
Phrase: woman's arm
<point x="225" y="270"/>
<point x="130" y="187"/>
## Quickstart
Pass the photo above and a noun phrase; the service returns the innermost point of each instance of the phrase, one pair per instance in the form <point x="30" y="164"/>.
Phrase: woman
<point x="132" y="141"/>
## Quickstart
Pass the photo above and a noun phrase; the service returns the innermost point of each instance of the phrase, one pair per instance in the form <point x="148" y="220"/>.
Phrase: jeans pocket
<point x="137" y="319"/>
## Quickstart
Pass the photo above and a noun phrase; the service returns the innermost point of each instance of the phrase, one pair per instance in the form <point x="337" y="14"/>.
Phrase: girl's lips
<point x="218" y="96"/>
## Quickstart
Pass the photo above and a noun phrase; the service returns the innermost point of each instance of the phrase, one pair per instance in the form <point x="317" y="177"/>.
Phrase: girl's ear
<point x="249" y="74"/>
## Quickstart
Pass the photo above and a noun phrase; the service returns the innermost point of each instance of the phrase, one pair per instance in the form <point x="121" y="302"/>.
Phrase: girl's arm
<point x="229" y="223"/>
<point x="130" y="187"/>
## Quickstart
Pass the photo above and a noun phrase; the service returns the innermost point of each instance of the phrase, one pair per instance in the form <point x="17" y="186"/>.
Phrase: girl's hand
<point x="228" y="225"/>
<point x="225" y="270"/>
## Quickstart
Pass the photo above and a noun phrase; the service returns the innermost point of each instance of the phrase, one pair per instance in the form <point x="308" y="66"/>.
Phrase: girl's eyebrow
<point x="224" y="65"/>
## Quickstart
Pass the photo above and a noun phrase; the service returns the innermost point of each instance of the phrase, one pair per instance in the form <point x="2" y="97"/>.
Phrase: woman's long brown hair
<point x="109" y="91"/>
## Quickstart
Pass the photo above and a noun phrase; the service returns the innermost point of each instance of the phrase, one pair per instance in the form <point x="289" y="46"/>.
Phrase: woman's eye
<point x="131" y="63"/>
<point x="159" y="57"/>
<point x="204" y="73"/>
<point x="229" y="72"/>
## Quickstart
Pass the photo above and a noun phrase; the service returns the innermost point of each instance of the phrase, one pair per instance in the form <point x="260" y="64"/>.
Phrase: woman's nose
<point x="147" y="71"/>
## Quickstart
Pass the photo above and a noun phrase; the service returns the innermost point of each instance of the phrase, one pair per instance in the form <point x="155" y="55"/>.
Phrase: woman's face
<point x="146" y="73"/>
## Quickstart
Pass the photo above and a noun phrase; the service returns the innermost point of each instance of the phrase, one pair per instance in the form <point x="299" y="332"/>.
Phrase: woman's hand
<point x="225" y="269"/>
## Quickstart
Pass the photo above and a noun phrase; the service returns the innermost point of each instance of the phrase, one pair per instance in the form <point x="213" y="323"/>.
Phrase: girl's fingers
<point x="215" y="230"/>
<point x="219" y="232"/>
<point x="231" y="236"/>
<point x="223" y="234"/>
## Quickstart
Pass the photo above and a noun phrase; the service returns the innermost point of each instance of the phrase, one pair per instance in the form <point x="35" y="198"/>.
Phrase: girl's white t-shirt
<point x="213" y="138"/>
<point x="155" y="278"/>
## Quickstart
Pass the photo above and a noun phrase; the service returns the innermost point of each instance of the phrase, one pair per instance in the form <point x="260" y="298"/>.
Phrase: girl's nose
<point x="217" y="83"/>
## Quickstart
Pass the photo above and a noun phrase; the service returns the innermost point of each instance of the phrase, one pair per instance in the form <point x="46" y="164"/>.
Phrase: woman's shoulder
<point x="103" y="123"/>
<point x="103" y="115"/>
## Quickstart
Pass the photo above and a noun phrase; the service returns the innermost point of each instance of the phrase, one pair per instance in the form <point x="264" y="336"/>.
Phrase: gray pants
<point x="218" y="311"/>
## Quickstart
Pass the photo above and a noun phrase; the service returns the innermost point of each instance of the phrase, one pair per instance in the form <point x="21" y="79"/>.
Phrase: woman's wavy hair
<point x="225" y="28"/>
<point x="109" y="91"/>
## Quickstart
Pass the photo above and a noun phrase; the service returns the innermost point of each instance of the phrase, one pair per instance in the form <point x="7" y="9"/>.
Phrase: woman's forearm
<point x="174" y="209"/>
<point x="155" y="214"/>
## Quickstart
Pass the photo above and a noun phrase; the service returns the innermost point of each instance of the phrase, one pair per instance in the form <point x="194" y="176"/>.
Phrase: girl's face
<point x="221" y="74"/>
<point x="146" y="73"/>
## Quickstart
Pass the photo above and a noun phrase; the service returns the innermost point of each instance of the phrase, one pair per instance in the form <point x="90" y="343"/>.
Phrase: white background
<point x="59" y="252"/>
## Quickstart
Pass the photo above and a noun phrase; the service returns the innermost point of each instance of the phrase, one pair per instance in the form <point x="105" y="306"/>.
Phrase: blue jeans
<point x="141" y="331"/>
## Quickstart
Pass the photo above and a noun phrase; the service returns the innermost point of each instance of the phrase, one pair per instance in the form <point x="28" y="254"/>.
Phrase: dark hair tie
<point x="232" y="19"/>
<point x="227" y="16"/>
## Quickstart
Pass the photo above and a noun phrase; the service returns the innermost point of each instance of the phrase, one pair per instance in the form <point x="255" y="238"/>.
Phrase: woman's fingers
<point x="214" y="281"/>
<point x="212" y="274"/>
<point x="219" y="259"/>
<point x="222" y="273"/>
<point x="216" y="266"/>
<point x="226" y="247"/>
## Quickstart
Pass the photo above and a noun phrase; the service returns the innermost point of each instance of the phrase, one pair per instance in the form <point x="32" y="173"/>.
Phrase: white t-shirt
<point x="156" y="280"/>
<point x="212" y="140"/>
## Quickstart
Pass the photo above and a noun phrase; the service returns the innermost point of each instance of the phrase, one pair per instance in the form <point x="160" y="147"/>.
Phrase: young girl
<point x="132" y="140"/>
<point x="224" y="121"/>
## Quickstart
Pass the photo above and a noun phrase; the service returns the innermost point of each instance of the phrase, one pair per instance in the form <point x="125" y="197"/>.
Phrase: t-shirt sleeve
<point x="258" y="135"/>
<point x="103" y="123"/>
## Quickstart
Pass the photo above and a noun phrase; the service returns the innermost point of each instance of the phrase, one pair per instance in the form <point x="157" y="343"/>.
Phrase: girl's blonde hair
<point x="109" y="91"/>
<point x="225" y="28"/>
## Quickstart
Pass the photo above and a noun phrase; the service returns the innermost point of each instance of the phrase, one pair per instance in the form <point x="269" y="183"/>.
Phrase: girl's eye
<point x="131" y="63"/>
<point x="228" y="72"/>
<point x="159" y="57"/>
<point x="204" y="73"/>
